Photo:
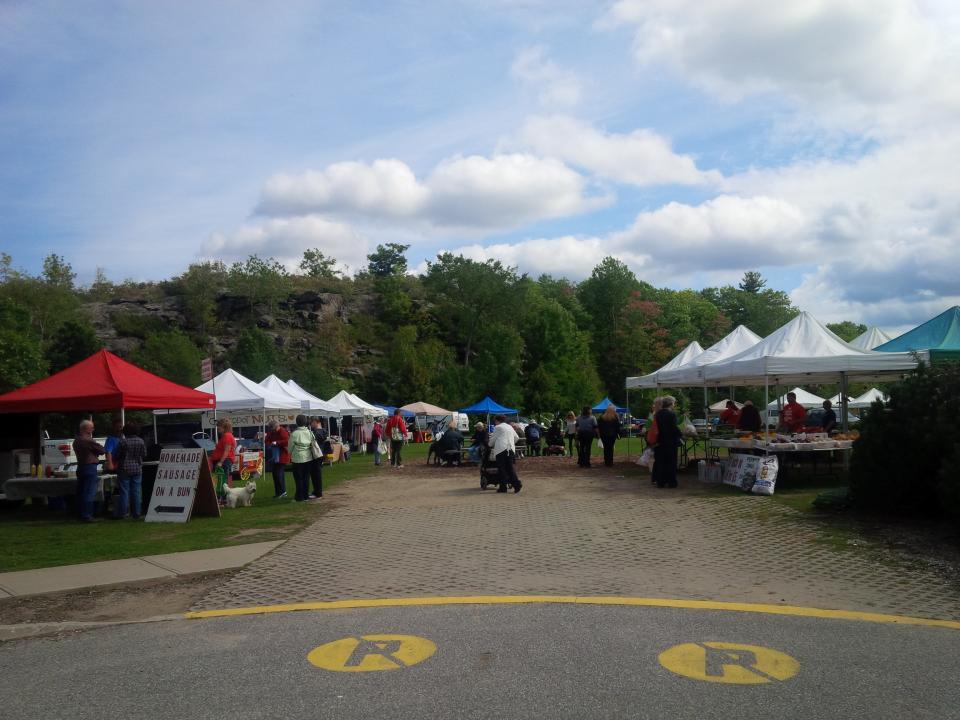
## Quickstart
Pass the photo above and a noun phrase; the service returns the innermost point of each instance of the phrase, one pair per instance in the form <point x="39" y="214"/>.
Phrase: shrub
<point x="906" y="458"/>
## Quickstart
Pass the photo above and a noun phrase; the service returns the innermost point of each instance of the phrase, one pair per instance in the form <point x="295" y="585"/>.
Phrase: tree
<point x="255" y="354"/>
<point x="604" y="296"/>
<point x="762" y="311"/>
<point x="317" y="265"/>
<point x="21" y="359"/>
<point x="263" y="281"/>
<point x="198" y="288"/>
<point x="172" y="355"/>
<point x="75" y="341"/>
<point x="752" y="282"/>
<point x="388" y="260"/>
<point x="847" y="330"/>
<point x="466" y="293"/>
<point x="57" y="271"/>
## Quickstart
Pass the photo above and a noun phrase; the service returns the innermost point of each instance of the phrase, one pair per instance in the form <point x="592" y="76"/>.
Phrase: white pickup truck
<point x="57" y="457"/>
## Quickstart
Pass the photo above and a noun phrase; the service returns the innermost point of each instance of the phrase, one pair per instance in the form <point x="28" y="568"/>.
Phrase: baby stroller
<point x="489" y="473"/>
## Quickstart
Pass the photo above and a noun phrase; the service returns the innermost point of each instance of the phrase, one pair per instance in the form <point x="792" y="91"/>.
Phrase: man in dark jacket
<point x="668" y="440"/>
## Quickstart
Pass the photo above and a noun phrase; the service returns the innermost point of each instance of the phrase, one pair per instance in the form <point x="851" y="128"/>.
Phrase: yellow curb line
<point x="574" y="600"/>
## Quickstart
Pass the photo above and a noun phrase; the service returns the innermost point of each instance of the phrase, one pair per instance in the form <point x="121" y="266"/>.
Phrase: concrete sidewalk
<point x="116" y="572"/>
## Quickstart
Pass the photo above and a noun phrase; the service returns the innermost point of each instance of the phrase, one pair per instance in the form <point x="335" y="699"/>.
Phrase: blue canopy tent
<point x="605" y="403"/>
<point x="939" y="335"/>
<point x="488" y="406"/>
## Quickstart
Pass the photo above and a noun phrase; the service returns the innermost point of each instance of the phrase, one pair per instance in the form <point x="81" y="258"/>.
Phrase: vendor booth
<point x="101" y="383"/>
<point x="428" y="420"/>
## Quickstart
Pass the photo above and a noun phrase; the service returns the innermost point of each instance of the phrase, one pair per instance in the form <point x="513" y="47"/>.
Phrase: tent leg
<point x="156" y="439"/>
<point x="630" y="430"/>
<point x="766" y="404"/>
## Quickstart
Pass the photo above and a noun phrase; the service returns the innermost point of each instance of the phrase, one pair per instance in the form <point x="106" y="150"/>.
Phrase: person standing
<point x="88" y="452"/>
<point x="111" y="444"/>
<point x="570" y="432"/>
<point x="586" y="431"/>
<point x="668" y="439"/>
<point x="829" y="419"/>
<point x="316" y="467"/>
<point x="397" y="432"/>
<point x="608" y="427"/>
<point x="731" y="415"/>
<point x="378" y="444"/>
<point x="277" y="442"/>
<point x="794" y="415"/>
<point x="129" y="460"/>
<point x="225" y="453"/>
<point x="301" y="440"/>
<point x="749" y="419"/>
<point x="503" y="440"/>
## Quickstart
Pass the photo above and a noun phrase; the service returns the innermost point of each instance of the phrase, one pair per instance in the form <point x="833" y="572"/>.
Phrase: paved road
<point x="428" y="531"/>
<point x="538" y="661"/>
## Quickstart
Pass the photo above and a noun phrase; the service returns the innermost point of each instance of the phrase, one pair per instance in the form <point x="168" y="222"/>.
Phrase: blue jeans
<point x="129" y="491"/>
<point x="87" y="482"/>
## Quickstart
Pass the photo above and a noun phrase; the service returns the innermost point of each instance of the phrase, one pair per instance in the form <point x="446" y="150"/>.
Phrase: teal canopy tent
<point x="939" y="335"/>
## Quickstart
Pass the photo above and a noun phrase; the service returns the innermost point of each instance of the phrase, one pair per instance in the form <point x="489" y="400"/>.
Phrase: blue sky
<point x="694" y="141"/>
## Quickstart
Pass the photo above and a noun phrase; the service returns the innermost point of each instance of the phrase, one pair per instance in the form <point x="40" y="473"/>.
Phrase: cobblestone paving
<point x="423" y="531"/>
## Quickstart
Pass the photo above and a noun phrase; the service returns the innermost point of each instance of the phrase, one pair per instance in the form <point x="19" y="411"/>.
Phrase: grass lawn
<point x="32" y="536"/>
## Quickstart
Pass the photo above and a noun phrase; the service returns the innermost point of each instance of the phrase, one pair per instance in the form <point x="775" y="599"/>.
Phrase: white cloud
<point x="641" y="158"/>
<point x="285" y="240"/>
<point x="568" y="256"/>
<point x="554" y="86"/>
<point x="385" y="187"/>
<point x="722" y="233"/>
<point x="470" y="193"/>
<point x="855" y="61"/>
<point x="506" y="191"/>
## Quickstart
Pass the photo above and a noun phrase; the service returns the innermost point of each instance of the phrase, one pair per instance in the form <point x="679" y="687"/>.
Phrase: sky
<point x="816" y="141"/>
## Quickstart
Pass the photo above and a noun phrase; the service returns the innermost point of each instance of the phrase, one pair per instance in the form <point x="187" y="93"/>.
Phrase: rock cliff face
<point x="297" y="324"/>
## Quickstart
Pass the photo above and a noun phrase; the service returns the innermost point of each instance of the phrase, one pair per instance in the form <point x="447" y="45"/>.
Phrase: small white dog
<point x="240" y="495"/>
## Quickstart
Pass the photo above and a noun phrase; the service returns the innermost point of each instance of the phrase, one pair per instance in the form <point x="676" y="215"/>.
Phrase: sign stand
<point x="184" y="486"/>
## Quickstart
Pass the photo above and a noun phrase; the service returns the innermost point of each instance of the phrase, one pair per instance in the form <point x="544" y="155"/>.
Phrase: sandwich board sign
<point x="184" y="486"/>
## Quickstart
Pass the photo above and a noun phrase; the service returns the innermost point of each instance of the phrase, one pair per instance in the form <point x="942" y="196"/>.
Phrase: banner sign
<point x="248" y="419"/>
<point x="741" y="470"/>
<point x="206" y="369"/>
<point x="183" y="486"/>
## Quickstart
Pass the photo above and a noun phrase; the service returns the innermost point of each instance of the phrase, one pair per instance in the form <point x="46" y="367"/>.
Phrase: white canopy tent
<point x="869" y="339"/>
<point x="805" y="350"/>
<point x="236" y="392"/>
<point x="314" y="403"/>
<point x="693" y="373"/>
<point x="721" y="405"/>
<point x="807" y="399"/>
<point x="349" y="404"/>
<point x="691" y="351"/>
<point x="867" y="399"/>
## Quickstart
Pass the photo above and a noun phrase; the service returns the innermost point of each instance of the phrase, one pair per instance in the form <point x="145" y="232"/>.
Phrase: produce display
<point x="781" y="442"/>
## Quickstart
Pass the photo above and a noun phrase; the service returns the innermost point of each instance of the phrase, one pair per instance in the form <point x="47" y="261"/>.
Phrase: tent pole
<point x="843" y="401"/>
<point x="156" y="439"/>
<point x="629" y="430"/>
<point x="766" y="404"/>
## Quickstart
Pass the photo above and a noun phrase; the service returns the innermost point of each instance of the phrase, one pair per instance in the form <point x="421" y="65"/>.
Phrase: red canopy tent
<point x="103" y="382"/>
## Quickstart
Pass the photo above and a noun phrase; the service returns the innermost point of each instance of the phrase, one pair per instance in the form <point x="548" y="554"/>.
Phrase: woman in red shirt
<point x="275" y="443"/>
<point x="225" y="453"/>
<point x="396" y="430"/>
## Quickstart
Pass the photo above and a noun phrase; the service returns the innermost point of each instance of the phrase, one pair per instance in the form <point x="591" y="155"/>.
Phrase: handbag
<point x="381" y="447"/>
<point x="653" y="434"/>
<point x="395" y="434"/>
<point x="315" y="451"/>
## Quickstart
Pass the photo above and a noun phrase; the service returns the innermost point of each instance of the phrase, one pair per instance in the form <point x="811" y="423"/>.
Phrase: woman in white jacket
<point x="504" y="444"/>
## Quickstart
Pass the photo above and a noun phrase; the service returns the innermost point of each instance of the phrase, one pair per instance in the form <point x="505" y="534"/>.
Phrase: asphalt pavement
<point x="489" y="661"/>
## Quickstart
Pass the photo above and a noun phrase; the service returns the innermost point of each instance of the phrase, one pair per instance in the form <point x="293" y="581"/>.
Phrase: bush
<point x="906" y="460"/>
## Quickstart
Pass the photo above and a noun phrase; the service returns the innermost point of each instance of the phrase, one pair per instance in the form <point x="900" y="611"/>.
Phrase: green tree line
<point x="460" y="330"/>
